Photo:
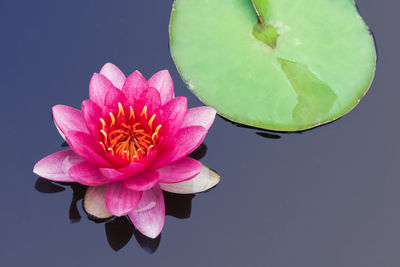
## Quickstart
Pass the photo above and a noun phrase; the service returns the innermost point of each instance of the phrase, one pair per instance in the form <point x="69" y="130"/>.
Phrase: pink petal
<point x="147" y="160"/>
<point x="87" y="174"/>
<point x="51" y="167"/>
<point x="114" y="74"/>
<point x="134" y="85"/>
<point x="142" y="181"/>
<point x="94" y="202"/>
<point x="205" y="180"/>
<point x="113" y="174"/>
<point x="84" y="145"/>
<point x="162" y="81"/>
<point x="120" y="200"/>
<point x="70" y="161"/>
<point x="112" y="98"/>
<point x="201" y="116"/>
<point x="133" y="168"/>
<point x="116" y="161"/>
<point x="174" y="114"/>
<point x="151" y="99"/>
<point x="91" y="113"/>
<point x="149" y="215"/>
<point x="187" y="140"/>
<point x="179" y="171"/>
<point x="183" y="143"/>
<point x="69" y="119"/>
<point x="98" y="88"/>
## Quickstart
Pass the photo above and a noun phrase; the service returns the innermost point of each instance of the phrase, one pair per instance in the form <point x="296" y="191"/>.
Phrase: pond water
<point x="325" y="197"/>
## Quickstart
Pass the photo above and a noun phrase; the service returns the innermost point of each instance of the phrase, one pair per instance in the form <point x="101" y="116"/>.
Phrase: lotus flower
<point x="128" y="143"/>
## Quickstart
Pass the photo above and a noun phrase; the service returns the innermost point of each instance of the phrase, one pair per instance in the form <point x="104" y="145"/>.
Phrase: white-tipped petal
<point x="114" y="74"/>
<point x="149" y="215"/>
<point x="94" y="202"/>
<point x="205" y="180"/>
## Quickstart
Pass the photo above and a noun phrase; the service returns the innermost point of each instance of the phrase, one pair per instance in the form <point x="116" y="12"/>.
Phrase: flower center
<point x="128" y="136"/>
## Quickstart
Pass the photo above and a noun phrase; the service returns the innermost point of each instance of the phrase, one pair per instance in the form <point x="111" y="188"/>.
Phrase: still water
<point x="326" y="197"/>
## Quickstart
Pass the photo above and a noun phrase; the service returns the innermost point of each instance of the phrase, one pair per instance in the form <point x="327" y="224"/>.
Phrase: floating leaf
<point x="280" y="64"/>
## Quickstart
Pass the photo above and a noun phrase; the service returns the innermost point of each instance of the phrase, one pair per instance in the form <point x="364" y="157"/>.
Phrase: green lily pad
<point x="280" y="64"/>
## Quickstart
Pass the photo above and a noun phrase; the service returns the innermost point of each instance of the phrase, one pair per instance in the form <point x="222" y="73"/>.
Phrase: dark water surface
<point x="327" y="197"/>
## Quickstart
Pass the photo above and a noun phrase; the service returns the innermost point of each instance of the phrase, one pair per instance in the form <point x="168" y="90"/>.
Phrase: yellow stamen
<point x="136" y="125"/>
<point x="115" y="140"/>
<point x="119" y="148"/>
<point x="132" y="149"/>
<point x="103" y="146"/>
<point x="119" y="131"/>
<point x="120" y="109"/>
<point x="128" y="138"/>
<point x="103" y="123"/>
<point x="105" y="135"/>
<point x="144" y="142"/>
<point x="112" y="119"/>
<point x="158" y="128"/>
<point x="132" y="115"/>
<point x="151" y="120"/>
<point x="154" y="136"/>
<point x="148" y="150"/>
<point x="144" y="111"/>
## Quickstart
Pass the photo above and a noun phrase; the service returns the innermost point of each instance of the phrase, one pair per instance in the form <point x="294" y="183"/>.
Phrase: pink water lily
<point x="128" y="143"/>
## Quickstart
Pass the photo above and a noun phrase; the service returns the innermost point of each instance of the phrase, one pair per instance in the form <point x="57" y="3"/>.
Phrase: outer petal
<point x="88" y="174"/>
<point x="91" y="113"/>
<point x="51" y="167"/>
<point x="134" y="85"/>
<point x="94" y="202"/>
<point x="183" y="143"/>
<point x="142" y="181"/>
<point x="69" y="119"/>
<point x="173" y="115"/>
<point x="98" y="88"/>
<point x="149" y="215"/>
<point x="187" y="140"/>
<point x="114" y="74"/>
<point x="84" y="145"/>
<point x="70" y="161"/>
<point x="179" y="171"/>
<point x="202" y="182"/>
<point x="120" y="200"/>
<point x="162" y="81"/>
<point x="200" y="116"/>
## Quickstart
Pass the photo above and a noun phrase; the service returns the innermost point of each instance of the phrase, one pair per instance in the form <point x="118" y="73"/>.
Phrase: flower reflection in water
<point x="119" y="230"/>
